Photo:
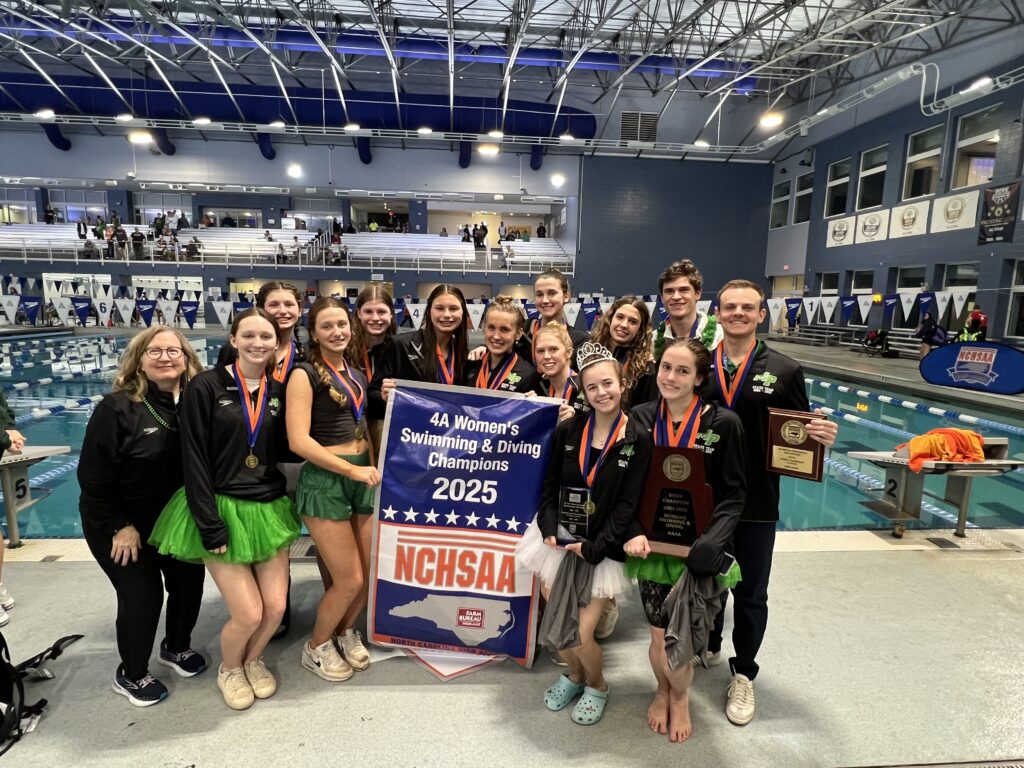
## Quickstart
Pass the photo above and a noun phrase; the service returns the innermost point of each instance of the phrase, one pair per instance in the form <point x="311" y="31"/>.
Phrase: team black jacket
<point x="577" y="399"/>
<point x="404" y="360"/>
<point x="774" y="381"/>
<point x="214" y="448"/>
<point x="618" y="486"/>
<point x="522" y="378"/>
<point x="720" y="437"/>
<point x="376" y="406"/>
<point x="130" y="464"/>
<point x="524" y="346"/>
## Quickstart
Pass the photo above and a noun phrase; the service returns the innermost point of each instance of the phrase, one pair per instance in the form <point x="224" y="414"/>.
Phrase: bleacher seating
<point x="390" y="248"/>
<point x="536" y="253"/>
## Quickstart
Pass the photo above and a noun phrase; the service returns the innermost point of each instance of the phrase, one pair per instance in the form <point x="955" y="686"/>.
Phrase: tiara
<point x="591" y="353"/>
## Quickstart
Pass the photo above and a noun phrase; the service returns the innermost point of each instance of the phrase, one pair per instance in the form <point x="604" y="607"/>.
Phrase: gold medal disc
<point x="251" y="461"/>
<point x="360" y="432"/>
<point x="590" y="507"/>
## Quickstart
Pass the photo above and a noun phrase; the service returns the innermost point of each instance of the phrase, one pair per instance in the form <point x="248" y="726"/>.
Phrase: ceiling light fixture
<point x="496" y="134"/>
<point x="701" y="144"/>
<point x="488" y="149"/>
<point x="557" y="179"/>
<point x="201" y="121"/>
<point x="425" y="130"/>
<point x="567" y="137"/>
<point x="294" y="170"/>
<point x="351" y="126"/>
<point x="140" y="137"/>
<point x="46" y="114"/>
<point x="279" y="123"/>
<point x="125" y="117"/>
<point x="770" y="120"/>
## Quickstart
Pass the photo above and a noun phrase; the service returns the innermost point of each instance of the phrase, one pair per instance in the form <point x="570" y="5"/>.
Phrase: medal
<point x="355" y="392"/>
<point x="731" y="392"/>
<point x="446" y="366"/>
<point x="613" y="434"/>
<point x="360" y="432"/>
<point x="668" y="436"/>
<point x="486" y="379"/>
<point x="590" y="507"/>
<point x="253" y="413"/>
<point x="284" y="367"/>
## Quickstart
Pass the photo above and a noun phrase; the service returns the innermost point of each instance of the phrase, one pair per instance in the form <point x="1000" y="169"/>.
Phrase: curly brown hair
<point x="638" y="353"/>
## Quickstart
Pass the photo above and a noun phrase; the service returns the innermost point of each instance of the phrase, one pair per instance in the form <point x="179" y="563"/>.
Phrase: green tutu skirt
<point x="257" y="530"/>
<point x="666" y="569"/>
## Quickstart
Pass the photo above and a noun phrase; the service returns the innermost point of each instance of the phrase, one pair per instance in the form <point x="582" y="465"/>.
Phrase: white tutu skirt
<point x="534" y="555"/>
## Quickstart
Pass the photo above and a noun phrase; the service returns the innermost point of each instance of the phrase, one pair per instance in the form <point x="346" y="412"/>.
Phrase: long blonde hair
<point x="130" y="377"/>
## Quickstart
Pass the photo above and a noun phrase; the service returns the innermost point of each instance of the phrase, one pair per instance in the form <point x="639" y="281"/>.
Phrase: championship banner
<point x="955" y="212"/>
<point x="847" y="304"/>
<point x="864" y="304"/>
<point x="64" y="308"/>
<point x="222" y="309"/>
<point x="31" y="305"/>
<point x="999" y="214"/>
<point x="462" y="476"/>
<point x="126" y="309"/>
<point x="82" y="305"/>
<point x="872" y="227"/>
<point x="828" y="307"/>
<point x="476" y="313"/>
<point x="909" y="220"/>
<point x="103" y="307"/>
<point x="189" y="310"/>
<point x="792" y="309"/>
<point x="10" y="305"/>
<point x="841" y="232"/>
<point x="983" y="366"/>
<point x="146" y="307"/>
<point x="571" y="311"/>
<point x="889" y="305"/>
<point x="907" y="301"/>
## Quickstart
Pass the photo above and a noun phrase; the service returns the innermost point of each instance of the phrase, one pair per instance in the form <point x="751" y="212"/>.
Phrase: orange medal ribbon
<point x="731" y="392"/>
<point x="487" y="380"/>
<point x="446" y="366"/>
<point x="613" y="435"/>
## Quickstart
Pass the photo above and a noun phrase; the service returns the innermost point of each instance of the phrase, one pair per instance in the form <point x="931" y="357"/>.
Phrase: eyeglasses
<point x="155" y="353"/>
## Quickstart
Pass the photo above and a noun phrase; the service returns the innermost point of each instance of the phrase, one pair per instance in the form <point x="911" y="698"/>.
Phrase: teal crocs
<point x="558" y="696"/>
<point x="590" y="708"/>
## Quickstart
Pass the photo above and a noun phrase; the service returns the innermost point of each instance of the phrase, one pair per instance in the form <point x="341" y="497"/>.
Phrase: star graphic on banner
<point x="492" y="521"/>
<point x="452" y="518"/>
<point x="471" y="518"/>
<point x="431" y="516"/>
<point x="513" y="524"/>
<point x="390" y="512"/>
<point x="410" y="515"/>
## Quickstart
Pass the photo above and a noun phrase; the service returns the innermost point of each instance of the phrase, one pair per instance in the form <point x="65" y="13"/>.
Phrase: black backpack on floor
<point x="12" y="689"/>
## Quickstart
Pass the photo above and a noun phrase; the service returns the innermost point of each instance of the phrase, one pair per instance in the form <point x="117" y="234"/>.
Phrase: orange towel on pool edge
<point x="945" y="444"/>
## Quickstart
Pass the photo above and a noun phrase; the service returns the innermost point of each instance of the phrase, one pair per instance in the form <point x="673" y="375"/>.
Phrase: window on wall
<point x="838" y="188"/>
<point x="780" y="205"/>
<point x="924" y="162"/>
<point x="872" y="177"/>
<point x="1015" y="319"/>
<point x="977" y="139"/>
<point x="802" y="199"/>
<point x="911" y="278"/>
<point x="862" y="281"/>
<point x="829" y="283"/>
<point x="961" y="275"/>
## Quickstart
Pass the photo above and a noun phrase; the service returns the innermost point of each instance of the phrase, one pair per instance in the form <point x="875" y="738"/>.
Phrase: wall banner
<point x="955" y="212"/>
<point x="909" y="220"/>
<point x="462" y="476"/>
<point x="872" y="227"/>
<point x="840" y="231"/>
<point x="999" y="214"/>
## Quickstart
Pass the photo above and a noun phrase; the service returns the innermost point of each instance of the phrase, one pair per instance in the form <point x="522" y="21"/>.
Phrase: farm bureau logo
<point x="974" y="365"/>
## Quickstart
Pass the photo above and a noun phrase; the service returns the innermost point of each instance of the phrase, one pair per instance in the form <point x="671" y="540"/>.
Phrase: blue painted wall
<point x="418" y="216"/>
<point x="120" y="200"/>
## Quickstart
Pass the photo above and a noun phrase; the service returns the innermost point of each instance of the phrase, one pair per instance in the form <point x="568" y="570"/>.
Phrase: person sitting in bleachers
<point x="282" y="257"/>
<point x="268" y="237"/>
<point x="542" y="231"/>
<point x="82" y="227"/>
<point x="443" y="232"/>
<point x="194" y="248"/>
<point x="89" y="249"/>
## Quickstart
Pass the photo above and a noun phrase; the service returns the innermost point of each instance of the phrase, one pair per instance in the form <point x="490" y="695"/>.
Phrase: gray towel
<point x="560" y="627"/>
<point x="691" y="607"/>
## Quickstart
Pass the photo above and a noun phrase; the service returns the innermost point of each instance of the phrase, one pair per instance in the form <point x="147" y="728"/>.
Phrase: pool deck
<point x="890" y="375"/>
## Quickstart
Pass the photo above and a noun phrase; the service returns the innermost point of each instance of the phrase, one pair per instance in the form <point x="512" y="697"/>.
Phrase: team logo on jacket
<point x="763" y="382"/>
<point x="274" y="404"/>
<point x="710" y="437"/>
<point x="514" y="378"/>
<point x="975" y="365"/>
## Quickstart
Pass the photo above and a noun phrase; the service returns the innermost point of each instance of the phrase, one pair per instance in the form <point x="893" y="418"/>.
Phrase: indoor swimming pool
<point x="834" y="504"/>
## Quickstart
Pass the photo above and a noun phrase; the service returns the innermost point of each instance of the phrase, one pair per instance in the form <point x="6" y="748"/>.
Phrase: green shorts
<point x="327" y="495"/>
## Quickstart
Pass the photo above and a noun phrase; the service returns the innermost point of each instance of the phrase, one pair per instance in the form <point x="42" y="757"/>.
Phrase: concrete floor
<point x="872" y="658"/>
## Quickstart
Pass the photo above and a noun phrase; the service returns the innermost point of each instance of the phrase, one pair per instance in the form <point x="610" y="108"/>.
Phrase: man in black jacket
<point x="749" y="377"/>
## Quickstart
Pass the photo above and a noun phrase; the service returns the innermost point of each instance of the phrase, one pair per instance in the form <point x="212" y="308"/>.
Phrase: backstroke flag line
<point x="462" y="475"/>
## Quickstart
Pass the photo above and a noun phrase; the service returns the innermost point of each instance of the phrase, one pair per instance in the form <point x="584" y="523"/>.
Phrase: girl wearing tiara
<point x="587" y="510"/>
<point x="327" y="426"/>
<point x="501" y="367"/>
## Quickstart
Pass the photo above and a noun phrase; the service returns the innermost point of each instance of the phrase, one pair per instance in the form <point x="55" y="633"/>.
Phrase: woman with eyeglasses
<point x="130" y="466"/>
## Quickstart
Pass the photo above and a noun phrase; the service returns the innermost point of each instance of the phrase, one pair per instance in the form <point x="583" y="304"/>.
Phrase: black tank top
<point x="329" y="422"/>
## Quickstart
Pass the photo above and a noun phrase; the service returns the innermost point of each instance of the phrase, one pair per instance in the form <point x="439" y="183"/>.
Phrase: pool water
<point x="834" y="504"/>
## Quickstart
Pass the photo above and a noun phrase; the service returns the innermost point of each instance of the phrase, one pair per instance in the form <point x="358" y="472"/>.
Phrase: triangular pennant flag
<point x="590" y="313"/>
<point x="605" y="303"/>
<point x="82" y="305"/>
<point x="704" y="306"/>
<point x="828" y="307"/>
<point x="103" y="308"/>
<point x="399" y="312"/>
<point x="476" y="313"/>
<point x="847" y="304"/>
<point x="31" y="305"/>
<point x="57" y="285"/>
<point x="168" y="308"/>
<point x="126" y="309"/>
<point x="941" y="304"/>
<point x="146" y="307"/>
<point x="223" y="311"/>
<point x="30" y="283"/>
<point x="10" y="306"/>
<point x="74" y="287"/>
<point x="959" y="301"/>
<point x="889" y="306"/>
<point x="775" y="310"/>
<point x="65" y="310"/>
<point x="189" y="310"/>
<point x="532" y="313"/>
<point x="926" y="301"/>
<point x="416" y="310"/>
<point x="652" y="307"/>
<point x="571" y="311"/>
<point x="864" y="303"/>
<point x="241" y="306"/>
<point x="907" y="302"/>
<point x="811" y="309"/>
<point x="792" y="310"/>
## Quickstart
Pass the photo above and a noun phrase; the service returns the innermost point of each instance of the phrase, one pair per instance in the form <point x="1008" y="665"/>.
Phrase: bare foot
<point x="657" y="713"/>
<point x="680" y="727"/>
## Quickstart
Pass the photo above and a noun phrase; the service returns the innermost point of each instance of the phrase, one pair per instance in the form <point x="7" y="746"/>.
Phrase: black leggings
<point x="140" y="597"/>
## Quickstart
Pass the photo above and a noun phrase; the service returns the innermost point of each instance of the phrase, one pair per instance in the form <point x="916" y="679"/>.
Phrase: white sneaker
<point x="4" y="618"/>
<point x="355" y="652"/>
<point x="325" y="661"/>
<point x="235" y="687"/>
<point x="260" y="680"/>
<point x="609" y="618"/>
<point x="6" y="601"/>
<point x="740" y="706"/>
<point x="714" y="658"/>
